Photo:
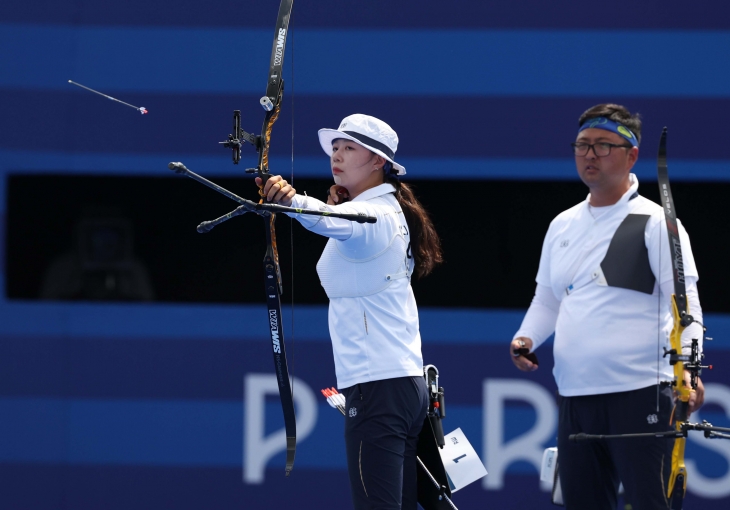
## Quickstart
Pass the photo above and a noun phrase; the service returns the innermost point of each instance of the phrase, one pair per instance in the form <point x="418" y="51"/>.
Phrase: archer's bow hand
<point x="337" y="195"/>
<point x="697" y="396"/>
<point x="520" y="350"/>
<point x="277" y="190"/>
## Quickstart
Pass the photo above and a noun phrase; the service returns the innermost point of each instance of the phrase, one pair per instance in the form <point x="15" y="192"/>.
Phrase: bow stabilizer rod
<point x="258" y="208"/>
<point x="709" y="430"/>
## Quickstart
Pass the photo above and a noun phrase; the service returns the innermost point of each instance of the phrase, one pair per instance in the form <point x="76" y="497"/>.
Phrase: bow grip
<point x="681" y="411"/>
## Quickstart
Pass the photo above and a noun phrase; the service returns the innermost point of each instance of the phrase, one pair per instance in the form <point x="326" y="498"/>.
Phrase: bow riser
<point x="681" y="411"/>
<point x="677" y="485"/>
<point x="271" y="117"/>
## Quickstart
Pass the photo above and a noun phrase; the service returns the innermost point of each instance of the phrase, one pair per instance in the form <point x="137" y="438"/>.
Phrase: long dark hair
<point x="425" y="242"/>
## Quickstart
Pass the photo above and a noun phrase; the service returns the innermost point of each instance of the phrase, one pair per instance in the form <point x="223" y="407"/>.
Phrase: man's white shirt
<point x="607" y="339"/>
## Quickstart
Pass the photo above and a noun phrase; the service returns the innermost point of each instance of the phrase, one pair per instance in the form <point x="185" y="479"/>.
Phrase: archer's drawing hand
<point x="696" y="396"/>
<point x="337" y="195"/>
<point x="277" y="190"/>
<point x="521" y="361"/>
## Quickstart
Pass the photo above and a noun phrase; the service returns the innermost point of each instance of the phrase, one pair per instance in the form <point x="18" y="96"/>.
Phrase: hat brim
<point x="327" y="136"/>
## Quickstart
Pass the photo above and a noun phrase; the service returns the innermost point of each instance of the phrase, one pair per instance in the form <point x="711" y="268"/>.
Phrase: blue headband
<point x="610" y="125"/>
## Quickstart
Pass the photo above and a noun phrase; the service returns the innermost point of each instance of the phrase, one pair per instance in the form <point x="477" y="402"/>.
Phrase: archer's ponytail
<point x="425" y="242"/>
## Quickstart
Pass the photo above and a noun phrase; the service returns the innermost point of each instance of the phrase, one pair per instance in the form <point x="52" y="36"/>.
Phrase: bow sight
<point x="692" y="362"/>
<point x="239" y="137"/>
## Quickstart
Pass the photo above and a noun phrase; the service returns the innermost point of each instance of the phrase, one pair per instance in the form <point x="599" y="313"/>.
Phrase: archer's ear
<point x="633" y="156"/>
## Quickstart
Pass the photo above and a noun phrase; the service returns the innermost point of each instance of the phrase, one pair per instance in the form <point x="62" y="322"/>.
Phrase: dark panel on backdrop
<point x="492" y="230"/>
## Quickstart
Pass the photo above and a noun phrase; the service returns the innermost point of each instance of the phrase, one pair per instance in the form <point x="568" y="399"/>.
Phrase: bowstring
<point x="659" y="309"/>
<point x="291" y="220"/>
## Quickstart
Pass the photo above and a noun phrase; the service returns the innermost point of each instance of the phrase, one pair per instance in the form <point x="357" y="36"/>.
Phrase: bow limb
<point x="677" y="485"/>
<point x="271" y="102"/>
<point x="273" y="287"/>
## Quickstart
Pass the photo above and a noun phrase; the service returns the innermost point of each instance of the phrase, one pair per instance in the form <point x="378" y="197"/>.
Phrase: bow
<point x="271" y="102"/>
<point x="677" y="485"/>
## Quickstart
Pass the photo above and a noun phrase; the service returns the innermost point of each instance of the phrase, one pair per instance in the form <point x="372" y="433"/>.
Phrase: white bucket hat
<point x="373" y="134"/>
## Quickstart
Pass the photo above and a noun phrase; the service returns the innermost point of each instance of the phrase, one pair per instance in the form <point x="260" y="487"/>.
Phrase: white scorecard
<point x="462" y="463"/>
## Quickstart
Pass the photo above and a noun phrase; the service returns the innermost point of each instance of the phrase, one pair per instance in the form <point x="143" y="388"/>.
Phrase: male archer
<point x="604" y="287"/>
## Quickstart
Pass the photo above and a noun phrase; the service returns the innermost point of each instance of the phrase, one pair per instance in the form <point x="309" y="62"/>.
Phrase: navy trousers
<point x="590" y="472"/>
<point x="382" y="424"/>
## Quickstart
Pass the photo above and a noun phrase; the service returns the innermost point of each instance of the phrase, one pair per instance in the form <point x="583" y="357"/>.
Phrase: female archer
<point x="366" y="271"/>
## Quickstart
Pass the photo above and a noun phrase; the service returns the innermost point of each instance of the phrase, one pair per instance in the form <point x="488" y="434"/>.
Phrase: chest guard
<point x="626" y="264"/>
<point x="344" y="276"/>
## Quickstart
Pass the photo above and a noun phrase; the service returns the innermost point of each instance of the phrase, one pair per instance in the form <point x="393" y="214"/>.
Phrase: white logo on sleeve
<point x="652" y="419"/>
<point x="352" y="412"/>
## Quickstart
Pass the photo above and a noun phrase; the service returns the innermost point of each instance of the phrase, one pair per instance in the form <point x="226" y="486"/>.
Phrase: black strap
<point x="372" y="143"/>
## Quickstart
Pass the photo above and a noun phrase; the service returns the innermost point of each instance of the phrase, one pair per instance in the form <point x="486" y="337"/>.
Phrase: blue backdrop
<point x="166" y="406"/>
